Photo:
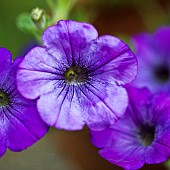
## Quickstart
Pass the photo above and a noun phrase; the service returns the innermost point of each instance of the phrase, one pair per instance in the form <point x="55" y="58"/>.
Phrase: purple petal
<point x="62" y="109"/>
<point x="110" y="59"/>
<point x="152" y="52"/>
<point x="124" y="130"/>
<point x="144" y="109"/>
<point x="5" y="62"/>
<point x="137" y="112"/>
<point x="66" y="39"/>
<point x="21" y="124"/>
<point x="98" y="101"/>
<point x="25" y="126"/>
<point x="157" y="153"/>
<point x="121" y="146"/>
<point x="124" y="156"/>
<point x="103" y="104"/>
<point x="138" y="100"/>
<point x="146" y="60"/>
<point x="3" y="138"/>
<point x="162" y="38"/>
<point x="100" y="138"/>
<point x="6" y="57"/>
<point x="37" y="74"/>
<point x="146" y="49"/>
<point x="159" y="114"/>
<point x="160" y="149"/>
<point x="145" y="78"/>
<point x="72" y="106"/>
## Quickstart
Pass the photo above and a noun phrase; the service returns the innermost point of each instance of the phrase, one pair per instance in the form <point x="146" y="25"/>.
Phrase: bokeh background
<point x="62" y="150"/>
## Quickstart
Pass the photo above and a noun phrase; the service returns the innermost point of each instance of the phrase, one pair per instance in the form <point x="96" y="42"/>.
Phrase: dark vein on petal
<point x="61" y="63"/>
<point x="13" y="96"/>
<point x="103" y="72"/>
<point x="156" y="117"/>
<point x="3" y="109"/>
<point x="89" y="100"/>
<point x="162" y="144"/>
<point x="65" y="53"/>
<point x="44" y="71"/>
<point x="6" y="91"/>
<point x="91" y="70"/>
<point x="69" y="38"/>
<point x="59" y="83"/>
<point x="92" y="86"/>
<point x="134" y="116"/>
<point x="50" y="79"/>
<point x="116" y="117"/>
<point x="12" y="91"/>
<point x="50" y="52"/>
<point x="125" y="133"/>
<point x="78" y="95"/>
<point x="78" y="61"/>
<point x="61" y="105"/>
<point x="45" y="64"/>
<point x="133" y="150"/>
<point x="72" y="93"/>
<point x="33" y="135"/>
<point x="2" y="112"/>
<point x="99" y="73"/>
<point x="4" y="82"/>
<point x="62" y="90"/>
<point x="2" y="85"/>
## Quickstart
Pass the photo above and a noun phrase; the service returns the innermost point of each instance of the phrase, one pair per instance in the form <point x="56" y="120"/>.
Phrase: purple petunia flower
<point x="153" y="53"/>
<point x="141" y="136"/>
<point x="77" y="76"/>
<point x="20" y="123"/>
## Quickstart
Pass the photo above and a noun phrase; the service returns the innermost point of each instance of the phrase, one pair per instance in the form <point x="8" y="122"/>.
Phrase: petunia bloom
<point x="153" y="54"/>
<point x="20" y="123"/>
<point x="77" y="77"/>
<point x="141" y="136"/>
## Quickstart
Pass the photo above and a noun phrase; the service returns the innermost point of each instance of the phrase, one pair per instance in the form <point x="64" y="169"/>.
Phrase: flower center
<point x="4" y="100"/>
<point x="162" y="73"/>
<point x="147" y="134"/>
<point x="75" y="74"/>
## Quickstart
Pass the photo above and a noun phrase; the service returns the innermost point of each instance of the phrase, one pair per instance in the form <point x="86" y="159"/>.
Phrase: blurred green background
<point x="10" y="36"/>
<point x="109" y="16"/>
<point x="61" y="150"/>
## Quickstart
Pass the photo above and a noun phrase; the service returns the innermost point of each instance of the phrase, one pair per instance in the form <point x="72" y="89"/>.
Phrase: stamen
<point x="75" y="74"/>
<point x="4" y="100"/>
<point x="147" y="134"/>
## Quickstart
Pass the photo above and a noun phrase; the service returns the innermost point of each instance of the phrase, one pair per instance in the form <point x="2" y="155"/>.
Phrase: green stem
<point x="60" y="9"/>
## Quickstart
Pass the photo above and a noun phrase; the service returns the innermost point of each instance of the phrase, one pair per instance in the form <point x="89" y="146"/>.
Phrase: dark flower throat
<point x="162" y="73"/>
<point x="147" y="134"/>
<point x="75" y="74"/>
<point x="4" y="100"/>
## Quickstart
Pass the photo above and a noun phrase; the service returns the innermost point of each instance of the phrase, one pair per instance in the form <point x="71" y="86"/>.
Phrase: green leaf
<point x="24" y="23"/>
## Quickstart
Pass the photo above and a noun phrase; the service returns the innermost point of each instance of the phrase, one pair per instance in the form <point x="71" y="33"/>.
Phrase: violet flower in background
<point x="141" y="136"/>
<point x="20" y="123"/>
<point x="153" y="54"/>
<point x="78" y="77"/>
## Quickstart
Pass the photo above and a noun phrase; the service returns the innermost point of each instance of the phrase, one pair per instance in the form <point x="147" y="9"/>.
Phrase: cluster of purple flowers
<point x="142" y="135"/>
<point x="78" y="78"/>
<point x="153" y="54"/>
